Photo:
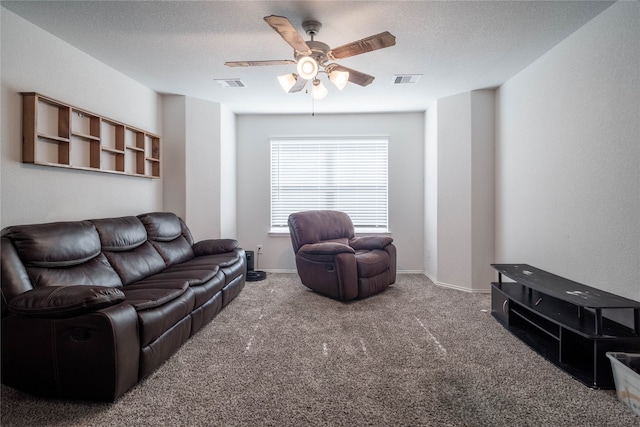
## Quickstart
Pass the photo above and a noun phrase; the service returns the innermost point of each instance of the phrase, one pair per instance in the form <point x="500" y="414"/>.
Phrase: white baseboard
<point x="435" y="282"/>
<point x="457" y="287"/>
<point x="279" y="270"/>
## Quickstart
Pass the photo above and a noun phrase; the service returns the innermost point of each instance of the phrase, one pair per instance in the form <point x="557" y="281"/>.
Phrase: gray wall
<point x="35" y="61"/>
<point x="459" y="185"/>
<point x="406" y="190"/>
<point x="568" y="157"/>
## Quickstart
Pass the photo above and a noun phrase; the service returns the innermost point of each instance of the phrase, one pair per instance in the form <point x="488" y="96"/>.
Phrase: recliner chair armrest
<point x="214" y="246"/>
<point x="64" y="301"/>
<point x="370" y="242"/>
<point x="325" y="248"/>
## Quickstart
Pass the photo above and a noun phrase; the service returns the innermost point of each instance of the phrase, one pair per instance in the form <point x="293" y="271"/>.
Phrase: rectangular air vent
<point x="230" y="82"/>
<point x="400" y="79"/>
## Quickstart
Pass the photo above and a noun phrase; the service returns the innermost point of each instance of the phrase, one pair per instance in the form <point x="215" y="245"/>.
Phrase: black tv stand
<point x="563" y="321"/>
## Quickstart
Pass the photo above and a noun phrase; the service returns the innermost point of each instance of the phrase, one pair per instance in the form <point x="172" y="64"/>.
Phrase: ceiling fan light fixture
<point x="307" y="68"/>
<point x="287" y="81"/>
<point x="339" y="78"/>
<point x="311" y="57"/>
<point x="318" y="91"/>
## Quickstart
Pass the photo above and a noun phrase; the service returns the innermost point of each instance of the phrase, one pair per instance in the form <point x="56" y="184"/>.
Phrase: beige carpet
<point x="281" y="355"/>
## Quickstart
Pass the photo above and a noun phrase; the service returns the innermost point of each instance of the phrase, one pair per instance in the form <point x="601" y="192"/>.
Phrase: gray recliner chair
<point x="333" y="262"/>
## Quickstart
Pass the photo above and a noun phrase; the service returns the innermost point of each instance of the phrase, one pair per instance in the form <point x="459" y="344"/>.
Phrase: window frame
<point x="278" y="227"/>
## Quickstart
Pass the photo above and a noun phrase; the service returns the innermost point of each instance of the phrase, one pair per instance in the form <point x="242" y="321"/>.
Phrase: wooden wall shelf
<point x="60" y="135"/>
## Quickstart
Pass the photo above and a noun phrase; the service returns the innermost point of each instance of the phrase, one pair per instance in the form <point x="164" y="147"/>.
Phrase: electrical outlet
<point x="259" y="249"/>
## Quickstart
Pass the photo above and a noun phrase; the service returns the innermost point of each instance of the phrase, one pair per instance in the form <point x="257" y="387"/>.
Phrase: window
<point x="345" y="174"/>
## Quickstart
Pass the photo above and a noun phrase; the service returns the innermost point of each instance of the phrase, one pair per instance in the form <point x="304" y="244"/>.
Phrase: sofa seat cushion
<point x="227" y="259"/>
<point x="325" y="251"/>
<point x="370" y="242"/>
<point x="151" y="295"/>
<point x="159" y="308"/>
<point x="193" y="272"/>
<point x="207" y="290"/>
<point x="325" y="248"/>
<point x="229" y="263"/>
<point x="204" y="278"/>
<point x="372" y="263"/>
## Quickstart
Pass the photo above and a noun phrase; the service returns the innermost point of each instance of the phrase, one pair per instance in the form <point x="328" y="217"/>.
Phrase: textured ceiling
<point x="179" y="47"/>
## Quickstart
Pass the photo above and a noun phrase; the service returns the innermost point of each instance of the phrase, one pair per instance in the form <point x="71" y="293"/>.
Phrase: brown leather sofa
<point x="333" y="262"/>
<point x="89" y="308"/>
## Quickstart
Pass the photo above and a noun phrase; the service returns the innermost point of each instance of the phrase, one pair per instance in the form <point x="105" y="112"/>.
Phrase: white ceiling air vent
<point x="400" y="79"/>
<point x="230" y="82"/>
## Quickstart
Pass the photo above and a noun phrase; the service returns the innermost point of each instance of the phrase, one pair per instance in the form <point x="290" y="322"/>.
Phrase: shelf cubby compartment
<point x="45" y="131"/>
<point x="152" y="145"/>
<point x="85" y="139"/>
<point x="57" y="134"/>
<point x="112" y="153"/>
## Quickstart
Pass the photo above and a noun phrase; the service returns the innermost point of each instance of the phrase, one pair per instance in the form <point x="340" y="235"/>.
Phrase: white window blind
<point x="345" y="174"/>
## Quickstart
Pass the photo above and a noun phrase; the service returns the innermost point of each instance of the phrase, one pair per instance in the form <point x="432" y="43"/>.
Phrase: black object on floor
<point x="256" y="275"/>
<point x="563" y="321"/>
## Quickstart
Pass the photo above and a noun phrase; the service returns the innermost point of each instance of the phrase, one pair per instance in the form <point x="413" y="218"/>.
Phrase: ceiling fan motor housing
<point x="312" y="28"/>
<point x="319" y="52"/>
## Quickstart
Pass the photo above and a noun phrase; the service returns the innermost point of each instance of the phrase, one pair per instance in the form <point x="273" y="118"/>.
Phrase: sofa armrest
<point x="94" y="356"/>
<point x="325" y="248"/>
<point x="214" y="246"/>
<point x="64" y="301"/>
<point x="370" y="242"/>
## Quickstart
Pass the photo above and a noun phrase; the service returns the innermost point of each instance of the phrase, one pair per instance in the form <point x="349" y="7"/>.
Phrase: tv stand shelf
<point x="563" y="320"/>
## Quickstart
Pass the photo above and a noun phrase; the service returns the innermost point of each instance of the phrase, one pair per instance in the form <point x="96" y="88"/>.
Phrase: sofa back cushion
<point x="55" y="245"/>
<point x="120" y="234"/>
<point x="61" y="253"/>
<point x="320" y="225"/>
<point x="124" y="243"/>
<point x="166" y="234"/>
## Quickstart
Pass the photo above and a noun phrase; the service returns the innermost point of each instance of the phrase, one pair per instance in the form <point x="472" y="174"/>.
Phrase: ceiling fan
<point x="313" y="56"/>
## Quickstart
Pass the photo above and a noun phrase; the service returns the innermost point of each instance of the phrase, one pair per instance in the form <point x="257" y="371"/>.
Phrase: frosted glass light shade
<point x="339" y="78"/>
<point x="318" y="91"/>
<point x="287" y="81"/>
<point x="307" y="68"/>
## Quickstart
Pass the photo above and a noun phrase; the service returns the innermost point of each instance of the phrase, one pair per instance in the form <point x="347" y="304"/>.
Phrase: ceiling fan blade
<point x="259" y="63"/>
<point x="379" y="41"/>
<point x="356" y="77"/>
<point x="288" y="32"/>
<point x="300" y="84"/>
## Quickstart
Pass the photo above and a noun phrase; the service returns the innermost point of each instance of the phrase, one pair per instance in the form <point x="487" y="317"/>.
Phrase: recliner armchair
<point x="333" y="262"/>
